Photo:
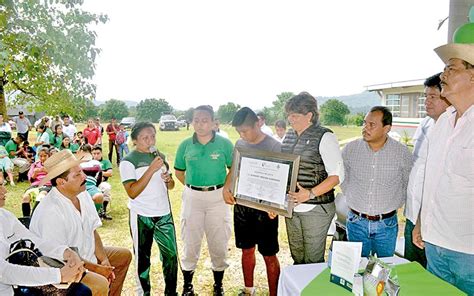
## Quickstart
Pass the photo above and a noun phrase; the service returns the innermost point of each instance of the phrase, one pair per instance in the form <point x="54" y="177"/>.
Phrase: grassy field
<point x="116" y="232"/>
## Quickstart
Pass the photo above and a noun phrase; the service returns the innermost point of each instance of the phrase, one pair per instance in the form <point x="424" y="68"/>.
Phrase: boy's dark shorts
<point x="254" y="227"/>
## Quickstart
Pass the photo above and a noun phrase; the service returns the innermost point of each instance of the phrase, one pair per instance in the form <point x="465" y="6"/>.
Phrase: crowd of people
<point x="377" y="176"/>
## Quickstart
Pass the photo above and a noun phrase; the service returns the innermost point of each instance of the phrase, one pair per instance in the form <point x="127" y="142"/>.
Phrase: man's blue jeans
<point x="377" y="237"/>
<point x="454" y="267"/>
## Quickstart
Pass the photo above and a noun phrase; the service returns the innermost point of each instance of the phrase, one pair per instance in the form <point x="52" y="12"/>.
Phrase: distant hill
<point x="357" y="103"/>
<point x="127" y="102"/>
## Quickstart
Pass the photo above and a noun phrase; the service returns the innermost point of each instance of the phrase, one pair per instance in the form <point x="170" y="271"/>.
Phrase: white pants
<point x="105" y="187"/>
<point x="205" y="212"/>
<point x="22" y="163"/>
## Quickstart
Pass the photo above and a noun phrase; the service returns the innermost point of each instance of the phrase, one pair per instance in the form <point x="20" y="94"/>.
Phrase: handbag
<point x="23" y="252"/>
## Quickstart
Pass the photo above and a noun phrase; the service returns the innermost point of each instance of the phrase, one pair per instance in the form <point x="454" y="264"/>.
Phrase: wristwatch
<point x="311" y="194"/>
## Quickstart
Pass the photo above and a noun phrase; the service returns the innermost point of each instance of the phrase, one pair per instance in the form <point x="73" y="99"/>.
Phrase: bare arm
<point x="181" y="175"/>
<point x="135" y="188"/>
<point x="107" y="173"/>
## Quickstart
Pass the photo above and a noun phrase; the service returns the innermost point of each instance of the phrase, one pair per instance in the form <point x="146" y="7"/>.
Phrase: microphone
<point x="155" y="153"/>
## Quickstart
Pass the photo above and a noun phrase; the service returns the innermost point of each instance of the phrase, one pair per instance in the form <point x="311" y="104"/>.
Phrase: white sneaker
<point x="246" y="292"/>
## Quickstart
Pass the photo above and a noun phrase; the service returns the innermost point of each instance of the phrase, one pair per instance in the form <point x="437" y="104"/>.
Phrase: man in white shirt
<point x="11" y="231"/>
<point x="69" y="129"/>
<point x="218" y="130"/>
<point x="23" y="125"/>
<point x="435" y="105"/>
<point x="265" y="128"/>
<point x="446" y="219"/>
<point x="67" y="216"/>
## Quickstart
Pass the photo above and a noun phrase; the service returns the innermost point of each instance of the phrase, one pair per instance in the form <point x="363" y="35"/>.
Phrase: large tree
<point x="114" y="108"/>
<point x="333" y="112"/>
<point x="226" y="112"/>
<point x="152" y="109"/>
<point x="47" y="54"/>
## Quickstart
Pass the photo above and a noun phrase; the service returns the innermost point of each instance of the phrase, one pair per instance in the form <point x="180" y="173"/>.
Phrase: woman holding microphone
<point x="145" y="176"/>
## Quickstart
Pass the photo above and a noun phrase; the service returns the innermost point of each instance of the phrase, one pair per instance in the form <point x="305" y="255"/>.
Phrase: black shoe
<point x="218" y="290"/>
<point x="188" y="290"/>
<point x="103" y="215"/>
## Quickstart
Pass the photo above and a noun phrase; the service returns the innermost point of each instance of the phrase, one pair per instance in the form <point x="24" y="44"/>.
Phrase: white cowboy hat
<point x="462" y="51"/>
<point x="60" y="162"/>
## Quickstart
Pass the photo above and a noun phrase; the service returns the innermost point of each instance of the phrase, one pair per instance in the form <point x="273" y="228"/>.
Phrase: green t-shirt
<point x="205" y="165"/>
<point x="58" y="139"/>
<point x="11" y="146"/>
<point x="51" y="135"/>
<point x="105" y="164"/>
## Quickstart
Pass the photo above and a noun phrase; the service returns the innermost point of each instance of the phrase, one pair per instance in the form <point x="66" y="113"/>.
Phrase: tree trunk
<point x="3" y="103"/>
<point x="458" y="15"/>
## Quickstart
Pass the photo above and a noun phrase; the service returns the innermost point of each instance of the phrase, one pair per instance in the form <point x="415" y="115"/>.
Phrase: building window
<point x="421" y="107"/>
<point x="393" y="103"/>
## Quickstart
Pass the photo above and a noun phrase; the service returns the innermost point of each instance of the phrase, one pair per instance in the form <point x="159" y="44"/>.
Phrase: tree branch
<point x="23" y="90"/>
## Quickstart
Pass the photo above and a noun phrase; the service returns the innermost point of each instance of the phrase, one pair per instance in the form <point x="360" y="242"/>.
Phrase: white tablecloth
<point x="294" y="278"/>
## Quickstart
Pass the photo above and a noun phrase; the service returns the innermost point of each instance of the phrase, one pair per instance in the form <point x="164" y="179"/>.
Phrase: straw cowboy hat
<point x="60" y="162"/>
<point x="462" y="51"/>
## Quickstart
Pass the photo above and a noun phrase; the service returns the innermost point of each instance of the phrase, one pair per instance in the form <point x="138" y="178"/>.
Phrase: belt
<point x="205" y="188"/>
<point x="376" y="217"/>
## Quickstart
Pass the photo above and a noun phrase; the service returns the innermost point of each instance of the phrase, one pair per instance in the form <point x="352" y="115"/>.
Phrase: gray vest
<point x="312" y="171"/>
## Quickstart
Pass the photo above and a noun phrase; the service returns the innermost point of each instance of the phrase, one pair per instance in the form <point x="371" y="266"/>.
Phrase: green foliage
<point x="90" y="111"/>
<point x="47" y="54"/>
<point x="355" y="119"/>
<point x="334" y="112"/>
<point x="188" y="115"/>
<point x="152" y="109"/>
<point x="277" y="111"/>
<point x="114" y="108"/>
<point x="226" y="112"/>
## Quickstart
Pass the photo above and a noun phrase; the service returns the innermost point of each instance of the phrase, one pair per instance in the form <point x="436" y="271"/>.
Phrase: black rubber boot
<point x="218" y="289"/>
<point x="188" y="289"/>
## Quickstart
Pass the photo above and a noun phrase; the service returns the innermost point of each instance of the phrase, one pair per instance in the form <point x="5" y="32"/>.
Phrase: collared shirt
<point x="11" y="230"/>
<point x="267" y="130"/>
<point x="376" y="182"/>
<point x="69" y="130"/>
<point x="205" y="165"/>
<point x="333" y="164"/>
<point x="448" y="194"/>
<point x="22" y="124"/>
<point x="417" y="175"/>
<point x="153" y="200"/>
<point x="57" y="220"/>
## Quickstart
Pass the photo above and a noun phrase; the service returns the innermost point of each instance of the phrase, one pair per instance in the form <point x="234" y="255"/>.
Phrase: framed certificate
<point x="262" y="180"/>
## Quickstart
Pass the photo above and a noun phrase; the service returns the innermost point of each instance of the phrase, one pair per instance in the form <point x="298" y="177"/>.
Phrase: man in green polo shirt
<point x="12" y="148"/>
<point x="201" y="165"/>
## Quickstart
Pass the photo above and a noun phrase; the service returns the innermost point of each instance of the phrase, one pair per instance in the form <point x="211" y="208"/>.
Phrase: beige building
<point x="406" y="100"/>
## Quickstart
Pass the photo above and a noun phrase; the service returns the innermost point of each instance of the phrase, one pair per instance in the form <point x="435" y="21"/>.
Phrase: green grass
<point x="116" y="232"/>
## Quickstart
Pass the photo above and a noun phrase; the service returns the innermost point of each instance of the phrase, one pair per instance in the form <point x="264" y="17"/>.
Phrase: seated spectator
<point x="93" y="172"/>
<point x="79" y="139"/>
<point x="58" y="136"/>
<point x="60" y="208"/>
<point x="121" y="140"/>
<point x="14" y="152"/>
<point x="66" y="144"/>
<point x="28" y="152"/>
<point x="92" y="133"/>
<point x="105" y="187"/>
<point x="6" y="165"/>
<point x="36" y="193"/>
<point x="11" y="275"/>
<point x="52" y="150"/>
<point x="43" y="138"/>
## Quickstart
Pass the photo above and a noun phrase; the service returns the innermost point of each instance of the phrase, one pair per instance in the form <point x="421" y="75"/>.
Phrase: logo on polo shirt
<point x="215" y="156"/>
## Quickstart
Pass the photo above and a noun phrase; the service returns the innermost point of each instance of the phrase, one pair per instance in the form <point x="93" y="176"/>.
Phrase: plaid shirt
<point x="376" y="182"/>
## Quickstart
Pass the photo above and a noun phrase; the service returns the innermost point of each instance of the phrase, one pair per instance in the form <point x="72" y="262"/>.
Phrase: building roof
<point x="401" y="84"/>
